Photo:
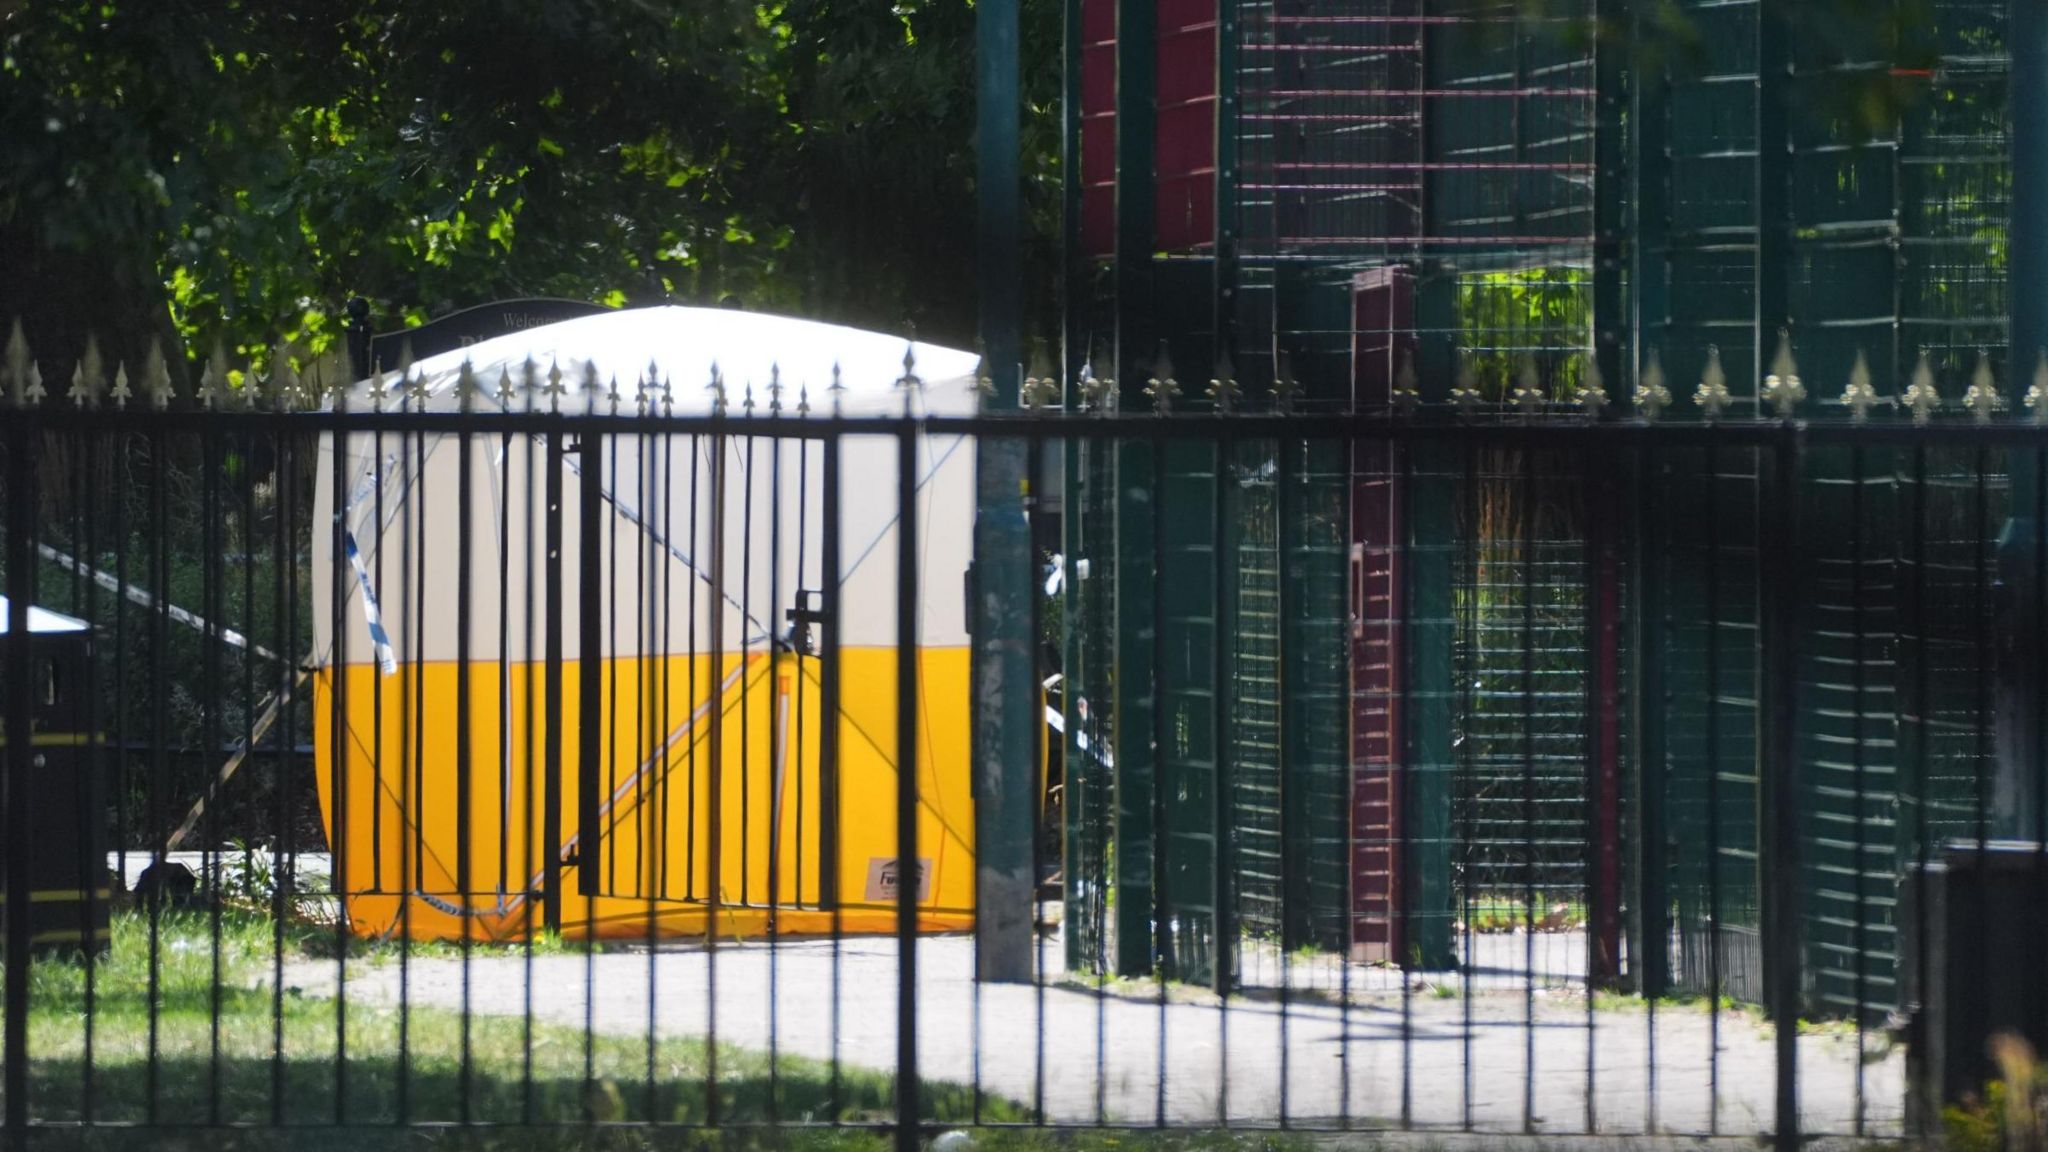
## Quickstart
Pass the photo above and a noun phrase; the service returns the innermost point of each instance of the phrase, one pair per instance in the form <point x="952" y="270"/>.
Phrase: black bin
<point x="1973" y="931"/>
<point x="67" y="872"/>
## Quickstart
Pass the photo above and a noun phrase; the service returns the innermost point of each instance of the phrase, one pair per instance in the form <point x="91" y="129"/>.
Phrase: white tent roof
<point x="684" y="344"/>
<point x="419" y="483"/>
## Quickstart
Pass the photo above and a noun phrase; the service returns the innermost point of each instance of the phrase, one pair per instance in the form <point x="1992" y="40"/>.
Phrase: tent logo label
<point x="883" y="879"/>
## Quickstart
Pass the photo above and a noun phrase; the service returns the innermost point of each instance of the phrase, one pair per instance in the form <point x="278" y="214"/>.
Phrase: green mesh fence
<point x="1447" y="163"/>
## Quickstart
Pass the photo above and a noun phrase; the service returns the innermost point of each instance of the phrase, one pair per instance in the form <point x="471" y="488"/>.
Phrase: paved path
<point x="1100" y="1054"/>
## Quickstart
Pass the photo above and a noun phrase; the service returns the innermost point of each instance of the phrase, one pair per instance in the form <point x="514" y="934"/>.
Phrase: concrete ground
<point x="1509" y="1055"/>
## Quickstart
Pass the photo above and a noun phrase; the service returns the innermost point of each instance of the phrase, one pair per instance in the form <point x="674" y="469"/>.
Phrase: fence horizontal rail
<point x="1549" y="430"/>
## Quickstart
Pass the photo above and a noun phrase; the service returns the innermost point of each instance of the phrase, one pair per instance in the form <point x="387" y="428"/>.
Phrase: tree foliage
<point x="201" y="170"/>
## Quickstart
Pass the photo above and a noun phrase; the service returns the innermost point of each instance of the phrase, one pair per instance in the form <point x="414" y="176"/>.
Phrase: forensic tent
<point x="722" y="783"/>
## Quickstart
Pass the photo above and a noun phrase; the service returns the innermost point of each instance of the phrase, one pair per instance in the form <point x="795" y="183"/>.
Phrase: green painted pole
<point x="1074" y="760"/>
<point x="1006" y="695"/>
<point x="1227" y="226"/>
<point x="1778" y="864"/>
<point x="1429" y="642"/>
<point x="1610" y="188"/>
<point x="1649" y="256"/>
<point x="1137" y="761"/>
<point x="2020" y="770"/>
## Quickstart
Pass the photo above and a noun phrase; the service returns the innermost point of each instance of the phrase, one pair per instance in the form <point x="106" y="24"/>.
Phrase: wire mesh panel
<point x="1088" y="779"/>
<point x="1524" y="665"/>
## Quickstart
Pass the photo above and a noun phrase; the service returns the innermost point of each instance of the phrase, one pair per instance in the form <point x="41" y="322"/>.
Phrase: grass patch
<point x="1493" y="913"/>
<point x="632" y="1139"/>
<point x="223" y="1047"/>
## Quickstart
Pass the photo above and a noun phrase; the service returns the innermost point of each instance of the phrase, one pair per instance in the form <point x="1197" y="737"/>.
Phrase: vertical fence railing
<point x="707" y="663"/>
<point x="21" y="594"/>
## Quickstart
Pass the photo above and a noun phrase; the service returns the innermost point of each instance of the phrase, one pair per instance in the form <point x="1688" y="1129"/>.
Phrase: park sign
<point x="384" y="351"/>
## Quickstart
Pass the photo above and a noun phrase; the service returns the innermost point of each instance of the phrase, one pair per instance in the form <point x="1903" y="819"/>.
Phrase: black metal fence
<point x="1620" y="743"/>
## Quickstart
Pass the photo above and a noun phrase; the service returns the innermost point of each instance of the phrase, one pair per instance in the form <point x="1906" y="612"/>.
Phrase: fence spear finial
<point x="87" y="377"/>
<point x="1529" y="388"/>
<point x="909" y="381"/>
<point x="1921" y="395"/>
<point x="1161" y="386"/>
<point x="1223" y="388"/>
<point x="1593" y="393"/>
<point x="1465" y="386"/>
<point x="554" y="388"/>
<point x="649" y="384"/>
<point x="317" y="389"/>
<point x="121" y="393"/>
<point x="1096" y="389"/>
<point x="529" y="380"/>
<point x="156" y="377"/>
<point x="1782" y="387"/>
<point x="1982" y="398"/>
<point x="465" y="385"/>
<point x="1712" y="395"/>
<point x="982" y="382"/>
<point x="506" y="391"/>
<point x="1039" y="388"/>
<point x="214" y="379"/>
<point x="1285" y="387"/>
<point x="283" y="381"/>
<point x="411" y="382"/>
<point x="1652" y="394"/>
<point x="1860" y="395"/>
<point x="2037" y="393"/>
<point x="803" y="400"/>
<point x="249" y="396"/>
<point x="417" y="393"/>
<point x="1407" y="394"/>
<point x="717" y="390"/>
<point x="16" y="365"/>
<point x="774" y="388"/>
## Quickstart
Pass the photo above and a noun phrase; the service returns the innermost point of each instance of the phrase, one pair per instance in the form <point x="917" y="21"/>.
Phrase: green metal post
<point x="1610" y="328"/>
<point x="1430" y="759"/>
<point x="1609" y="188"/>
<point x="1773" y="179"/>
<point x="1650" y="936"/>
<point x="1648" y="257"/>
<point x="1227" y="227"/>
<point x="1781" y="798"/>
<point x="1073" y="262"/>
<point x="2018" y="801"/>
<point x="1780" y="883"/>
<point x="1076" y="764"/>
<point x="1005" y="688"/>
<point x="1137" y="762"/>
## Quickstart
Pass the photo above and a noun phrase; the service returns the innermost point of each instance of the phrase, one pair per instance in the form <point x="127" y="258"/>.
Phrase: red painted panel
<point x="1098" y="128"/>
<point x="1382" y="330"/>
<point x="1184" y="148"/>
<point x="1098" y="20"/>
<point x="1187" y="60"/>
<point x="1383" y="321"/>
